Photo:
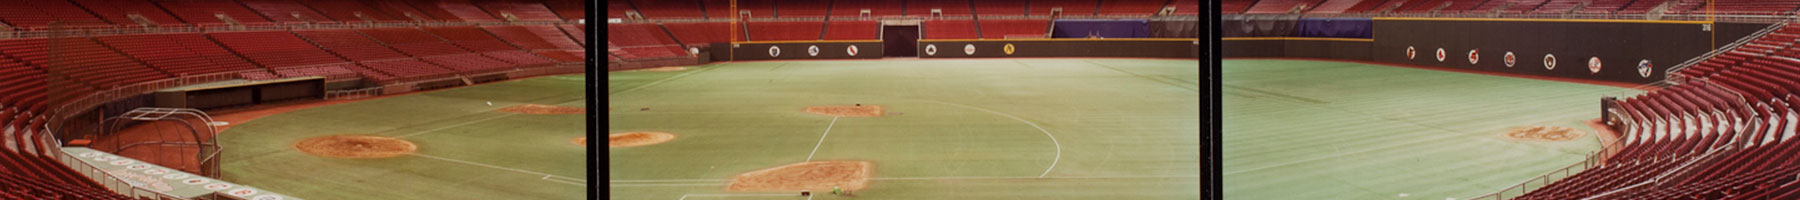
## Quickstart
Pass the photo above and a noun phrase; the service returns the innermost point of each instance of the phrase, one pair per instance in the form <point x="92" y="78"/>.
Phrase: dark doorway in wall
<point x="901" y="41"/>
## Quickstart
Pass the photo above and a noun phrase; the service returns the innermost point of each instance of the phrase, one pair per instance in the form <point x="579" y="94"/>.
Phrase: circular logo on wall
<point x="931" y="49"/>
<point x="138" y="167"/>
<point x="774" y="51"/>
<point x="1549" y="61"/>
<point x="1644" y="68"/>
<point x="969" y="49"/>
<point x="1593" y="64"/>
<point x="1440" y="54"/>
<point x="812" y="50"/>
<point x="851" y="50"/>
<point x="1008" y="48"/>
<point x="122" y="162"/>
<point x="1474" y="56"/>
<point x="90" y="154"/>
<point x="1509" y="59"/>
<point x="175" y="176"/>
<point x="1410" y="52"/>
<point x="156" y="171"/>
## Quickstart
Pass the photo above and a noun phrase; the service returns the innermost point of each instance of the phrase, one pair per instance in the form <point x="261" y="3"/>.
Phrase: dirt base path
<point x="817" y="176"/>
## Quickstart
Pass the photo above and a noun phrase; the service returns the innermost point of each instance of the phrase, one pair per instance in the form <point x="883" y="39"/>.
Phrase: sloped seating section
<point x="802" y="8"/>
<point x="413" y="41"/>
<point x="1000" y="8"/>
<point x="274" y="49"/>
<point x="118" y="12"/>
<point x="470" y="63"/>
<point x="86" y="60"/>
<point x="949" y="7"/>
<point x="519" y="58"/>
<point x="669" y="9"/>
<point x="1133" y="7"/>
<point x="407" y="68"/>
<point x="350" y="45"/>
<point x="1069" y="7"/>
<point x="849" y="9"/>
<point x="329" y="71"/>
<point x="948" y="29"/>
<point x="697" y="33"/>
<point x="576" y="9"/>
<point x="471" y="38"/>
<point x="1725" y="132"/>
<point x="854" y="30"/>
<point x="178" y="54"/>
<point x="1240" y="6"/>
<point x="453" y="10"/>
<point x="285" y="10"/>
<point x="1000" y="29"/>
<point x="777" y="31"/>
<point x="202" y="11"/>
<point x="522" y="10"/>
<point x="348" y="11"/>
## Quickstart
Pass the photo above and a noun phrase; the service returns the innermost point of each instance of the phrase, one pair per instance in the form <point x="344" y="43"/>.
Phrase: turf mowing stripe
<point x="1033" y="125"/>
<point x="660" y="81"/>
<point x="822" y="139"/>
<point x="583" y="183"/>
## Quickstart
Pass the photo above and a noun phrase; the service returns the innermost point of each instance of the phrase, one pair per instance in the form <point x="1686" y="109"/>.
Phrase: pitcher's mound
<point x="580" y="141"/>
<point x="544" y="109"/>
<point x="1543" y="133"/>
<point x="846" y="111"/>
<point x="355" y="146"/>
<point x="632" y="139"/>
<point x="815" y="176"/>
<point x="666" y="69"/>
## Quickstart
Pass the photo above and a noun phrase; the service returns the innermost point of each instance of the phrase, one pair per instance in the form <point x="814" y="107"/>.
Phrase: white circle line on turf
<point x="1033" y="125"/>
<point x="685" y="196"/>
<point x="815" y="150"/>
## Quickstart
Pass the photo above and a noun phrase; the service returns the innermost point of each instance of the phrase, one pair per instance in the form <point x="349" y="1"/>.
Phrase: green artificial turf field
<point x="954" y="129"/>
<point x="466" y="150"/>
<point x="1296" y="129"/>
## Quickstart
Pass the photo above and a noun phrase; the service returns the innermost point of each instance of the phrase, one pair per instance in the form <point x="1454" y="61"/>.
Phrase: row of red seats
<point x="40" y="13"/>
<point x="1737" y="107"/>
<point x="719" y="9"/>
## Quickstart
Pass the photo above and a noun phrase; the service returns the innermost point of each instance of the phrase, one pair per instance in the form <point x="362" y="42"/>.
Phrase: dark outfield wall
<point x="1060" y="48"/>
<point x="1619" y="45"/>
<point x="790" y="51"/>
<point x="1328" y="49"/>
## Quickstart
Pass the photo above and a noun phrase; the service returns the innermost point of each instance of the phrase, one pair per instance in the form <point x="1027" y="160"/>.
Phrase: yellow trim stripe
<point x="1063" y="39"/>
<point x="804" y="41"/>
<point x="1544" y="20"/>
<point x="1300" y="38"/>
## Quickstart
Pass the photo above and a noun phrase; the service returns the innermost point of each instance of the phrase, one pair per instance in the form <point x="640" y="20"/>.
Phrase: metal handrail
<point x="1671" y="72"/>
<point x="103" y="30"/>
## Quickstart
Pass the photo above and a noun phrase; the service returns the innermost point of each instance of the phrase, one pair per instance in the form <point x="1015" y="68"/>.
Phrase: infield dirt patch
<point x="580" y="141"/>
<point x="632" y="139"/>
<point x="544" y="109"/>
<point x="847" y="111"/>
<point x="818" y="176"/>
<point x="355" y="146"/>
<point x="1543" y="133"/>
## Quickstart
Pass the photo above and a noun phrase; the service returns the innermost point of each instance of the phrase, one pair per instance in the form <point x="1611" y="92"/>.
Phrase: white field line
<point x="473" y="122"/>
<point x="815" y="150"/>
<point x="1033" y="125"/>
<point x="660" y="81"/>
<point x="685" y="196"/>
<point x="563" y="179"/>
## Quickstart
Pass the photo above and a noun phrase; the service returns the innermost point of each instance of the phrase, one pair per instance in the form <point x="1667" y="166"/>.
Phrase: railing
<point x="1670" y="73"/>
<point x="108" y="180"/>
<point x="1593" y="160"/>
<point x="353" y="94"/>
<point x="102" y="30"/>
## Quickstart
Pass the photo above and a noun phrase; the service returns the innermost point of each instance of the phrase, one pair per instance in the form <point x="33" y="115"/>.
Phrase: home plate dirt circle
<point x="537" y="109"/>
<point x="1543" y="133"/>
<point x="847" y="110"/>
<point x="355" y="146"/>
<point x="632" y="139"/>
<point x="814" y="176"/>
